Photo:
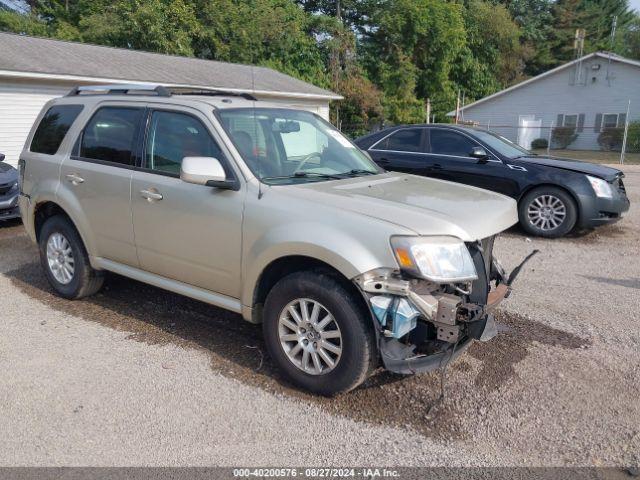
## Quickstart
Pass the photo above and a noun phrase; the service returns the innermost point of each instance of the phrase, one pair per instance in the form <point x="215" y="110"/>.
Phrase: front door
<point x="450" y="152"/>
<point x="402" y="151"/>
<point x="97" y="176"/>
<point x="186" y="232"/>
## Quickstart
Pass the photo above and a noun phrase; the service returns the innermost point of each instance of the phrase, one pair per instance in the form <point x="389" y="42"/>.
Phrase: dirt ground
<point x="139" y="376"/>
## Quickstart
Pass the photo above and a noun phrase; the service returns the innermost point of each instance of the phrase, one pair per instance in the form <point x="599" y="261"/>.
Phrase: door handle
<point x="383" y="161"/>
<point x="150" y="195"/>
<point x="75" y="179"/>
<point x="436" y="166"/>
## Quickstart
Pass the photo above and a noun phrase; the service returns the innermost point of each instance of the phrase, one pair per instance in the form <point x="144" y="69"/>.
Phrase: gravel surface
<point x="139" y="376"/>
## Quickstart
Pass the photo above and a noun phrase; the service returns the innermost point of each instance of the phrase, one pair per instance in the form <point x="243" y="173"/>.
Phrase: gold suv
<point x="269" y="212"/>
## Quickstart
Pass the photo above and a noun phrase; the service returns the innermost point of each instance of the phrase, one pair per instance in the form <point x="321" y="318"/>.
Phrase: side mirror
<point x="205" y="171"/>
<point x="479" y="153"/>
<point x="2" y="157"/>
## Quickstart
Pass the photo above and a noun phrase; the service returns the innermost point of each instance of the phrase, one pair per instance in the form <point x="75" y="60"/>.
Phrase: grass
<point x="594" y="156"/>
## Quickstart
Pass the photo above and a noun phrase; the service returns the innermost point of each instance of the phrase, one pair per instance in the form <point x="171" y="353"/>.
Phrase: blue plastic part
<point x="398" y="311"/>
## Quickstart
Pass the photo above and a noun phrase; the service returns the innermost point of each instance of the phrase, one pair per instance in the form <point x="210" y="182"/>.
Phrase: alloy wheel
<point x="310" y="336"/>
<point x="546" y="212"/>
<point x="60" y="258"/>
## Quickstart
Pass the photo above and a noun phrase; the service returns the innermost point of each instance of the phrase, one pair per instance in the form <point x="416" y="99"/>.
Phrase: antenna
<point x="578" y="46"/>
<point x="612" y="40"/>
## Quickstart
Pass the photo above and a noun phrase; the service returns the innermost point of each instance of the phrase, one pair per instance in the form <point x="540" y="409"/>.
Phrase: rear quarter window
<point x="53" y="127"/>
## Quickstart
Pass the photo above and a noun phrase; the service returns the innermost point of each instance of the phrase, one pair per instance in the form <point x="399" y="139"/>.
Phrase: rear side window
<point x="53" y="127"/>
<point x="110" y="135"/>
<point x="406" y="140"/>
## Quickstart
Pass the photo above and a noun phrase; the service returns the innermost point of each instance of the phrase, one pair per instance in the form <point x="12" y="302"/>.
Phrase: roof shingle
<point x="21" y="53"/>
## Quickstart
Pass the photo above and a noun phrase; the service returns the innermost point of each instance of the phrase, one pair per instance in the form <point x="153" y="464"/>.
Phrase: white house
<point x="590" y="94"/>
<point x="34" y="70"/>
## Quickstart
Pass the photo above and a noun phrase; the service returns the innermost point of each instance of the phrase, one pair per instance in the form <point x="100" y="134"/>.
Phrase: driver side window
<point x="448" y="142"/>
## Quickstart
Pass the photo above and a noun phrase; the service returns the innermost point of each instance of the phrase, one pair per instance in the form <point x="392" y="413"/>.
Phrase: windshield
<point x="502" y="145"/>
<point x="283" y="146"/>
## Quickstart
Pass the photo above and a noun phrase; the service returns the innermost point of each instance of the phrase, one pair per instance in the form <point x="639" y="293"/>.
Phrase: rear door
<point x="450" y="152"/>
<point x="97" y="179"/>
<point x="402" y="151"/>
<point x="186" y="232"/>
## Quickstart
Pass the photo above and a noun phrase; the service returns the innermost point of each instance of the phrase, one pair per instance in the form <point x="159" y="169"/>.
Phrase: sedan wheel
<point x="310" y="336"/>
<point x="547" y="212"/>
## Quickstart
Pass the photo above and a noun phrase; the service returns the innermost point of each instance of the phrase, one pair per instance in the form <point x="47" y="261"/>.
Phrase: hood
<point x="593" y="169"/>
<point x="426" y="206"/>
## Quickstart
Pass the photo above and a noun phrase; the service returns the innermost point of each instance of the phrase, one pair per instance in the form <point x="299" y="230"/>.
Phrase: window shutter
<point x="597" y="126"/>
<point x="560" y="120"/>
<point x="622" y="119"/>
<point x="581" y="122"/>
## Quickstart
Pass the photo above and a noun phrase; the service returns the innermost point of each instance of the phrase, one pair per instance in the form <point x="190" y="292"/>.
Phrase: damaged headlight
<point x="439" y="259"/>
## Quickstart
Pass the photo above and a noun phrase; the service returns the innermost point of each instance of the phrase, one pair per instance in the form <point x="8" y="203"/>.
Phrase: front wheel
<point x="548" y="212"/>
<point x="317" y="333"/>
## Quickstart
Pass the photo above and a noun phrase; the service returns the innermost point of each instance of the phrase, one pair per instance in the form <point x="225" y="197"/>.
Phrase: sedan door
<point x="186" y="232"/>
<point x="451" y="160"/>
<point x="402" y="151"/>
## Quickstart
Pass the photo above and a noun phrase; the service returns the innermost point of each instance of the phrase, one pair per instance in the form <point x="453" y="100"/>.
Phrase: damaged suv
<point x="268" y="212"/>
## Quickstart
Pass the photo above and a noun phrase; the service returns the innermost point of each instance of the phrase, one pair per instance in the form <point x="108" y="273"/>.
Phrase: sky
<point x="635" y="4"/>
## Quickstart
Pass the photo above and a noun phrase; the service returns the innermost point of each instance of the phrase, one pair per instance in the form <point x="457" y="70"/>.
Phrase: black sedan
<point x="554" y="195"/>
<point x="8" y="191"/>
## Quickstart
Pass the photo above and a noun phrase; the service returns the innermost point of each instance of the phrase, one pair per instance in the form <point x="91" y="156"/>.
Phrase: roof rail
<point x="121" y="89"/>
<point x="209" y="92"/>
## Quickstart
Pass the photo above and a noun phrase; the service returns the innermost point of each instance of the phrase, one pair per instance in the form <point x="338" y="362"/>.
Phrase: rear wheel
<point x="317" y="334"/>
<point x="65" y="260"/>
<point x="548" y="212"/>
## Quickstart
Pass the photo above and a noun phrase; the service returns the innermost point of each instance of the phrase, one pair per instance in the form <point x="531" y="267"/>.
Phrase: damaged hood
<point x="426" y="206"/>
<point x="587" y="168"/>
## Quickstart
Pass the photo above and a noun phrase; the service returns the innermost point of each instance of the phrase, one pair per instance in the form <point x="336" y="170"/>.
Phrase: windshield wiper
<point x="305" y="175"/>
<point x="358" y="171"/>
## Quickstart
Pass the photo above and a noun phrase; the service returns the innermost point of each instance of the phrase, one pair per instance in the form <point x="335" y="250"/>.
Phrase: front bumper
<point x="422" y="326"/>
<point x="596" y="211"/>
<point x="9" y="206"/>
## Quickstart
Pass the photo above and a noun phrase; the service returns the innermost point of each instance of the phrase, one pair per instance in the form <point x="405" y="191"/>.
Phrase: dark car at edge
<point x="8" y="191"/>
<point x="555" y="196"/>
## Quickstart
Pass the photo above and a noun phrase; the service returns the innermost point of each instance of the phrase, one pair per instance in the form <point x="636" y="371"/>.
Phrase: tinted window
<point x="448" y="142"/>
<point x="407" y="140"/>
<point x="53" y="127"/>
<point x="173" y="136"/>
<point x="110" y="135"/>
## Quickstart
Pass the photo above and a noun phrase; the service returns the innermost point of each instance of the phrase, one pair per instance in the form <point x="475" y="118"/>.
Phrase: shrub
<point x="633" y="137"/>
<point x="539" y="143"/>
<point x="562" y="137"/>
<point x="611" y="139"/>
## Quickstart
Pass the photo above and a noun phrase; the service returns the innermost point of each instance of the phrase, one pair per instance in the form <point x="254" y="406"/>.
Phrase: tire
<point x="557" y="220"/>
<point x="358" y="355"/>
<point x="83" y="280"/>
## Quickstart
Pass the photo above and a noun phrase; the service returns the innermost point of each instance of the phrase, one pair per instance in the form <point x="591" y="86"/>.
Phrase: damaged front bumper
<point x="422" y="325"/>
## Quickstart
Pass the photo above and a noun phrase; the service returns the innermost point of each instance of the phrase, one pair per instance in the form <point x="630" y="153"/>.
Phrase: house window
<point x="609" y="120"/>
<point x="570" y="121"/>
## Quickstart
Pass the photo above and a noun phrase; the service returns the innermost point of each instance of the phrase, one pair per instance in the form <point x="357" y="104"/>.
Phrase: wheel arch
<point x="280" y="267"/>
<point x="572" y="194"/>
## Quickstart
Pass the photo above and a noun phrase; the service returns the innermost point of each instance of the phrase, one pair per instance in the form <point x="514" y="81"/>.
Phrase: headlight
<point x="439" y="259"/>
<point x="600" y="187"/>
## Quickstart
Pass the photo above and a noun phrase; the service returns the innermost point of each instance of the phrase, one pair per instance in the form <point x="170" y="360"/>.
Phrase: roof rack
<point x="213" y="92"/>
<point x="121" y="89"/>
<point x="159" y="90"/>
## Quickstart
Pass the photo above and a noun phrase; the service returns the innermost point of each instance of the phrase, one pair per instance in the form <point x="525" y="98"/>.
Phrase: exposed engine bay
<point x="421" y="323"/>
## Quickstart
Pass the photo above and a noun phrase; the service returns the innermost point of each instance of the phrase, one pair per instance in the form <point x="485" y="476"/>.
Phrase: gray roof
<point x="21" y="53"/>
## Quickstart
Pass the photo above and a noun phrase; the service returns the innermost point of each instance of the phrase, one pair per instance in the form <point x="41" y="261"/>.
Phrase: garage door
<point x="19" y="107"/>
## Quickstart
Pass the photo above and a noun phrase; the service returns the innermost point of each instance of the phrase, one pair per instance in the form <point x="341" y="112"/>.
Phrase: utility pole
<point x="428" y="110"/>
<point x="458" y="107"/>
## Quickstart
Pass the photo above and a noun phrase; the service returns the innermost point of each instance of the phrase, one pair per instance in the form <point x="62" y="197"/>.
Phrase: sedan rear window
<point x="53" y="127"/>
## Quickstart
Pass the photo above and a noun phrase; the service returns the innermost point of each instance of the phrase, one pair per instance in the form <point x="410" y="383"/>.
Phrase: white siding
<point x="557" y="93"/>
<point x="19" y="107"/>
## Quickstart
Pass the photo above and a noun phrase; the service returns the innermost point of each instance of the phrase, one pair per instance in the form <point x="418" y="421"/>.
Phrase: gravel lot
<point x="139" y="376"/>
